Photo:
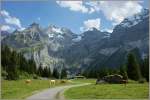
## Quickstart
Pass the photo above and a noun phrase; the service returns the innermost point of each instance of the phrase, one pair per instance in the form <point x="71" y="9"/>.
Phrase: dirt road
<point x="53" y="93"/>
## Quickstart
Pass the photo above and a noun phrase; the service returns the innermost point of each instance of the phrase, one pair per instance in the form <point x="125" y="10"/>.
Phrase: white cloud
<point x="13" y="21"/>
<point x="4" y="13"/>
<point x="91" y="10"/>
<point x="116" y="11"/>
<point x="10" y="22"/>
<point x="73" y="5"/>
<point x="90" y="24"/>
<point x="5" y="28"/>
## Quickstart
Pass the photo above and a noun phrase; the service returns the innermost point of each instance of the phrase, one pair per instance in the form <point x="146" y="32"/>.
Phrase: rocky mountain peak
<point x="135" y="19"/>
<point x="16" y="31"/>
<point x="93" y="33"/>
<point x="34" y="24"/>
<point x="34" y="28"/>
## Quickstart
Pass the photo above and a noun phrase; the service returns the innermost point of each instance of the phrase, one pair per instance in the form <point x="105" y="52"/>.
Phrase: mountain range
<point x="56" y="47"/>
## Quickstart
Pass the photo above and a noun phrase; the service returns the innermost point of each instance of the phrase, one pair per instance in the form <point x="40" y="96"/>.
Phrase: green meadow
<point x="18" y="89"/>
<point x="132" y="90"/>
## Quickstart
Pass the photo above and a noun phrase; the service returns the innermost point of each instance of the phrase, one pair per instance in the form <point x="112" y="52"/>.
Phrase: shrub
<point x="35" y="76"/>
<point x="63" y="81"/>
<point x="4" y="74"/>
<point x="142" y="80"/>
<point x="24" y="75"/>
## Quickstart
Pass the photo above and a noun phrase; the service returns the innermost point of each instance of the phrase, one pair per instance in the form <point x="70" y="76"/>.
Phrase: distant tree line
<point x="14" y="63"/>
<point x="46" y="72"/>
<point x="133" y="69"/>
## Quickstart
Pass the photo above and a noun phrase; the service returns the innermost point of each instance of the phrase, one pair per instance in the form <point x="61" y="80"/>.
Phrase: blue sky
<point x="76" y="15"/>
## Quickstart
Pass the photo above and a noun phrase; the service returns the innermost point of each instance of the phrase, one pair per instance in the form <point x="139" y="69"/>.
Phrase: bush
<point x="24" y="75"/>
<point x="13" y="75"/>
<point x="63" y="81"/>
<point x="142" y="80"/>
<point x="35" y="76"/>
<point x="4" y="74"/>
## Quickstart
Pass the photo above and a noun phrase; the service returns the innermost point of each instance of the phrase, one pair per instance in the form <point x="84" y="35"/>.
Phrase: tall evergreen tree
<point x="31" y="66"/>
<point x="123" y="72"/>
<point x="45" y="72"/>
<point x="133" y="69"/>
<point x="145" y="68"/>
<point x="12" y="70"/>
<point x="55" y="73"/>
<point x="23" y="63"/>
<point x="63" y="73"/>
<point x="40" y="70"/>
<point x="5" y="56"/>
<point x="103" y="72"/>
<point x="49" y="72"/>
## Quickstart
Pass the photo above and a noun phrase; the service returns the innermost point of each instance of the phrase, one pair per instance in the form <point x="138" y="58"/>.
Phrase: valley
<point x="62" y="50"/>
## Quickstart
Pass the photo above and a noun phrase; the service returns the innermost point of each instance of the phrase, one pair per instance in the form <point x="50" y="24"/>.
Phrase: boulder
<point x="100" y="81"/>
<point x="111" y="79"/>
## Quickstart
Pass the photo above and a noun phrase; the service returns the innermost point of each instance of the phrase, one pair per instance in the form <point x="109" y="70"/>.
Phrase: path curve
<point x="53" y="93"/>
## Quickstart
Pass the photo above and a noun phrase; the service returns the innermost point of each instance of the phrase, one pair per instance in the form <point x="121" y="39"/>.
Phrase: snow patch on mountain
<point x="77" y="39"/>
<point x="50" y="35"/>
<point x="57" y="30"/>
<point x="135" y="19"/>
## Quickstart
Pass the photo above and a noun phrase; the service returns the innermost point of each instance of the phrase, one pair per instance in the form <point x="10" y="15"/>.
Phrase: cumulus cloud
<point x="10" y="22"/>
<point x="116" y="11"/>
<point x="13" y="21"/>
<point x="73" y="5"/>
<point x="5" y="28"/>
<point x="90" y="24"/>
<point x="4" y="13"/>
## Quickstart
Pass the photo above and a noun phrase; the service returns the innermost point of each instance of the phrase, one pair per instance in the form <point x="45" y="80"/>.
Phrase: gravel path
<point x="53" y="93"/>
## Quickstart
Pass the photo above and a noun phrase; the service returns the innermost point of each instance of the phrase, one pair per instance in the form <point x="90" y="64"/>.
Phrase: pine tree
<point x="5" y="56"/>
<point x="22" y="63"/>
<point x="14" y="63"/>
<point x="12" y="70"/>
<point x="63" y="73"/>
<point x="145" y="68"/>
<point x="103" y="72"/>
<point x="85" y="73"/>
<point x="55" y="73"/>
<point x="123" y="72"/>
<point x="49" y="72"/>
<point x="40" y="70"/>
<point x="133" y="69"/>
<point x="31" y="66"/>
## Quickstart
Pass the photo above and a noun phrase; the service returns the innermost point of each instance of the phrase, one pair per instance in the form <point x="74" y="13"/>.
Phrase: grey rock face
<point x="36" y="42"/>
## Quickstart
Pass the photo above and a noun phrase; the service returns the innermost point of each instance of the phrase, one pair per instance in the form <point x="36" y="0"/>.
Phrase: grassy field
<point x="19" y="89"/>
<point x="133" y="90"/>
